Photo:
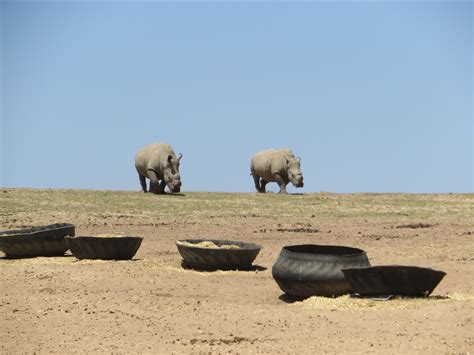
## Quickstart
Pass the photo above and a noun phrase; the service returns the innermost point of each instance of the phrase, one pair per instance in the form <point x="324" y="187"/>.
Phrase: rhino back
<point x="152" y="156"/>
<point x="267" y="162"/>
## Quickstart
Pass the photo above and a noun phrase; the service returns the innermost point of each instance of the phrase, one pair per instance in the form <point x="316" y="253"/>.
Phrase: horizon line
<point x="5" y="189"/>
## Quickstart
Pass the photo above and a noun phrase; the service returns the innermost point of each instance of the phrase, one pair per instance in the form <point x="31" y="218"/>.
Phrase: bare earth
<point x="150" y="304"/>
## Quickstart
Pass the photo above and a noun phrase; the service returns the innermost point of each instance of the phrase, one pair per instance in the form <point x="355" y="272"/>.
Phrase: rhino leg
<point x="157" y="188"/>
<point x="263" y="183"/>
<point x="281" y="183"/>
<point x="154" y="183"/>
<point x="162" y="186"/>
<point x="142" y="183"/>
<point x="256" y="180"/>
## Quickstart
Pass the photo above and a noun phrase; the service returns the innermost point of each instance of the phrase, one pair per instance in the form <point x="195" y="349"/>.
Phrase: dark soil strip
<point x="415" y="225"/>
<point x="298" y="230"/>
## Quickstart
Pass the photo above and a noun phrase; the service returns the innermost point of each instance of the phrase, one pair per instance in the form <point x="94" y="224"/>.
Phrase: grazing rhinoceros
<point x="280" y="166"/>
<point x="158" y="162"/>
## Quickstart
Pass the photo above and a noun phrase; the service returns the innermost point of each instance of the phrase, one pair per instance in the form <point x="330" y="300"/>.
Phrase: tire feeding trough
<point x="106" y="247"/>
<point x="36" y="241"/>
<point x="307" y="270"/>
<point x="387" y="280"/>
<point x="215" y="254"/>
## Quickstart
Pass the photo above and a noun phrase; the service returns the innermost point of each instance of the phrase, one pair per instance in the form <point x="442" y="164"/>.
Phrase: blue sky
<point x="374" y="97"/>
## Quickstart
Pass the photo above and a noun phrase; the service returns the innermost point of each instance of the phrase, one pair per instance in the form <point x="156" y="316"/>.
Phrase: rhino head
<point x="293" y="166"/>
<point x="171" y="173"/>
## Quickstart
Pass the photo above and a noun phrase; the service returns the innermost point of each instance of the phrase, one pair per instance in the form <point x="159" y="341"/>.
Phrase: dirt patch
<point x="298" y="230"/>
<point x="379" y="236"/>
<point x="415" y="225"/>
<point x="230" y="341"/>
<point x="152" y="305"/>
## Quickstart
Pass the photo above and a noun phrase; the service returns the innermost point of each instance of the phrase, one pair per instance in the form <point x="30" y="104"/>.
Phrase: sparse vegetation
<point x="16" y="202"/>
<point x="141" y="305"/>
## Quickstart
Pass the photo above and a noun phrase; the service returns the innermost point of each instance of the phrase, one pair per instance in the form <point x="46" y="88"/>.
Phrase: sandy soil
<point x="150" y="304"/>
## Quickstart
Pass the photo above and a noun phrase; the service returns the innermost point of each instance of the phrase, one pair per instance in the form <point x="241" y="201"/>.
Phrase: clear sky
<point x="374" y="97"/>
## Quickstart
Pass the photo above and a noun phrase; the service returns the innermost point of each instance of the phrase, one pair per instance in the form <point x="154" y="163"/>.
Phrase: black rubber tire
<point x="36" y="241"/>
<point x="109" y="248"/>
<point x="303" y="271"/>
<point x="401" y="280"/>
<point x="217" y="258"/>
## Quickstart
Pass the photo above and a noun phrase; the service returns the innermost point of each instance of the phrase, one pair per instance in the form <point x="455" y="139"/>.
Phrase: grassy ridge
<point x="205" y="204"/>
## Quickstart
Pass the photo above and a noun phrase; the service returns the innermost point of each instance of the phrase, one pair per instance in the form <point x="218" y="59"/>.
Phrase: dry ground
<point x="150" y="304"/>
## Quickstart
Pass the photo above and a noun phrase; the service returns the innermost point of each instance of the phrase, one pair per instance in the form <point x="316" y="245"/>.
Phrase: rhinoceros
<point x="158" y="162"/>
<point x="276" y="165"/>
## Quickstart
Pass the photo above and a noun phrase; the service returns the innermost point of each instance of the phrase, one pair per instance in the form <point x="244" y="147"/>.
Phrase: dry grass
<point x="66" y="260"/>
<point x="345" y="303"/>
<point x="208" y="245"/>
<point x="33" y="204"/>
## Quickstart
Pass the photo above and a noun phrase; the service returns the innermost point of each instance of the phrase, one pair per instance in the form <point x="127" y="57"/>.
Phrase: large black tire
<point x="218" y="258"/>
<point x="394" y="280"/>
<point x="106" y="248"/>
<point x="36" y="241"/>
<point x="308" y="270"/>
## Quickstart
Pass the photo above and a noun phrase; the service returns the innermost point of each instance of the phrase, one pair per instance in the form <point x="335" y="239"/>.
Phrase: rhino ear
<point x="169" y="158"/>
<point x="287" y="162"/>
